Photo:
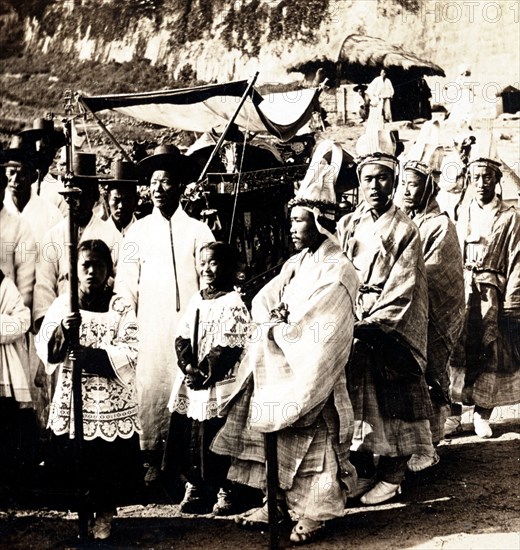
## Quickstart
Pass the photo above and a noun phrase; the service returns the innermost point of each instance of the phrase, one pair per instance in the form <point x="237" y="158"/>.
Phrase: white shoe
<point x="382" y="492"/>
<point x="363" y="485"/>
<point x="452" y="425"/>
<point x="481" y="425"/>
<point x="417" y="463"/>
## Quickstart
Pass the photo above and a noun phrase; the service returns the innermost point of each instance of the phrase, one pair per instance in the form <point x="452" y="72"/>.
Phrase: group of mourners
<point x="359" y="355"/>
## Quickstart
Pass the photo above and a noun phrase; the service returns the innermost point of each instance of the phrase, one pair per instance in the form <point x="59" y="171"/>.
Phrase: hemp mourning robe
<point x="298" y="386"/>
<point x="443" y="263"/>
<point x="158" y="256"/>
<point x="485" y="366"/>
<point x="387" y="365"/>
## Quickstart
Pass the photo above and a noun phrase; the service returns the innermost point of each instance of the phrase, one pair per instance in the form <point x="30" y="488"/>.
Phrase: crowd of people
<point x="359" y="355"/>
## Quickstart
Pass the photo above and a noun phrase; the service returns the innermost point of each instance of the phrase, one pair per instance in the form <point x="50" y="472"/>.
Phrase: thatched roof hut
<point x="361" y="58"/>
<point x="361" y="52"/>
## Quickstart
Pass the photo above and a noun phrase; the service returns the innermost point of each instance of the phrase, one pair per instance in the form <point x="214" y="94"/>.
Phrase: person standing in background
<point x="443" y="263"/>
<point x="380" y="93"/>
<point x="485" y="365"/>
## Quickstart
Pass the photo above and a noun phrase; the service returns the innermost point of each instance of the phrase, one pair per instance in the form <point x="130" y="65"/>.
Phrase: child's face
<point x="92" y="271"/>
<point x="213" y="272"/>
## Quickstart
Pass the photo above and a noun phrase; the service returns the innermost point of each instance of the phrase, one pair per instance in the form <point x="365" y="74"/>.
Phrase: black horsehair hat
<point x="20" y="151"/>
<point x="169" y="159"/>
<point x="123" y="174"/>
<point x="84" y="168"/>
<point x="43" y="130"/>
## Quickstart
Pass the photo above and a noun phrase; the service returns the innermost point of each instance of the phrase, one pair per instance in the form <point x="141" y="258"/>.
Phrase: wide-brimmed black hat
<point x="20" y="151"/>
<point x="43" y="130"/>
<point x="84" y="168"/>
<point x="169" y="159"/>
<point x="123" y="174"/>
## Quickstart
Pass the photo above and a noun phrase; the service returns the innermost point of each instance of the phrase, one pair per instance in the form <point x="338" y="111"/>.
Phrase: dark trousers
<point x="188" y="453"/>
<point x="19" y="449"/>
<point x="390" y="468"/>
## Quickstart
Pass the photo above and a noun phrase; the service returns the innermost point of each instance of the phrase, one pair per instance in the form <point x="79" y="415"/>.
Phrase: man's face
<point x="165" y="191"/>
<point x="377" y="184"/>
<point x="122" y="203"/>
<point x="484" y="178"/>
<point x="85" y="202"/>
<point x="19" y="179"/>
<point x="304" y="233"/>
<point x="414" y="185"/>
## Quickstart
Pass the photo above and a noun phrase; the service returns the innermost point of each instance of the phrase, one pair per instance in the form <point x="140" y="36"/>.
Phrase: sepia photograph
<point x="260" y="274"/>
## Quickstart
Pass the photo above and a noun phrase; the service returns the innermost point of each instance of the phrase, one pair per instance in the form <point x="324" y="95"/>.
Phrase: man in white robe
<point x="17" y="248"/>
<point x="21" y="198"/>
<point x="380" y="92"/>
<point x="122" y="195"/>
<point x="157" y="273"/>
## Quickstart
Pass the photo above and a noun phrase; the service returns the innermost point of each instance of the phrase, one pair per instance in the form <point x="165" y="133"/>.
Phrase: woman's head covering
<point x="376" y="147"/>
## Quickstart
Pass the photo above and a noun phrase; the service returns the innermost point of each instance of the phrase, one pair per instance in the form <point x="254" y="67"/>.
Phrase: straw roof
<point x="360" y="55"/>
<point x="358" y="49"/>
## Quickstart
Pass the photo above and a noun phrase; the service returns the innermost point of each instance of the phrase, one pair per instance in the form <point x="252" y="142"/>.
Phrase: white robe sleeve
<point x="129" y="269"/>
<point x="24" y="263"/>
<point x="15" y="317"/>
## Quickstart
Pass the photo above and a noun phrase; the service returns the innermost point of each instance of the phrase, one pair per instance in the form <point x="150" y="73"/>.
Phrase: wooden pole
<point x="344" y="105"/>
<point x="102" y="125"/>
<point x="71" y="193"/>
<point x="271" y="456"/>
<point x="217" y="147"/>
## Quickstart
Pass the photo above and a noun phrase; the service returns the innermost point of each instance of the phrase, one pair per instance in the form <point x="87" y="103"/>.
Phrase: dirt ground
<point x="469" y="501"/>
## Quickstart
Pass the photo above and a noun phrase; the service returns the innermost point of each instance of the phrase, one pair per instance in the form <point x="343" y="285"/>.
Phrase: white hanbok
<point x="157" y="273"/>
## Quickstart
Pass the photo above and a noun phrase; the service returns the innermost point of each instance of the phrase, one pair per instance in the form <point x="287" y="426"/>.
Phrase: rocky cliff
<point x="217" y="40"/>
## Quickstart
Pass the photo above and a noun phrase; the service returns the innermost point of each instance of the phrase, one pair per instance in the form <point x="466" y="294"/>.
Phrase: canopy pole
<point x="231" y="120"/>
<point x="71" y="194"/>
<point x="271" y="455"/>
<point x="102" y="125"/>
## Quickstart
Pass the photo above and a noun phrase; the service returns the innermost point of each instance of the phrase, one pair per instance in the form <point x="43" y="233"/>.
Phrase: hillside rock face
<point x="219" y="40"/>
